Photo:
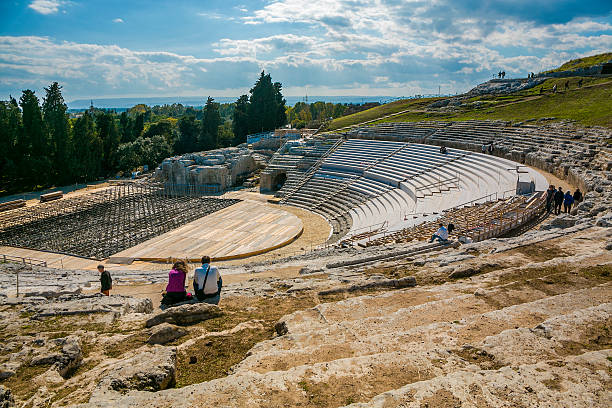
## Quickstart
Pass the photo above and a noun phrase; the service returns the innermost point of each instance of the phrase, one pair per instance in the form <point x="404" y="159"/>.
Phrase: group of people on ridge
<point x="558" y="198"/>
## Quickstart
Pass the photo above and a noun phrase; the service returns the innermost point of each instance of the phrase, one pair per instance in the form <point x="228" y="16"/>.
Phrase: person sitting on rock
<point x="441" y="234"/>
<point x="568" y="200"/>
<point x="175" y="290"/>
<point x="443" y="149"/>
<point x="207" y="282"/>
<point x="106" y="282"/>
<point x="559" y="196"/>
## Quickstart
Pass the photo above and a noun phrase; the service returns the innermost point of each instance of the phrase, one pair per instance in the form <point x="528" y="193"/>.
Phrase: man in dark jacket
<point x="106" y="282"/>
<point x="559" y="196"/>
<point x="577" y="196"/>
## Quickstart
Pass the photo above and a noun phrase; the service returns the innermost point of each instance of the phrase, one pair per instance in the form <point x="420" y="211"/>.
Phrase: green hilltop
<point x="588" y="105"/>
<point x="584" y="62"/>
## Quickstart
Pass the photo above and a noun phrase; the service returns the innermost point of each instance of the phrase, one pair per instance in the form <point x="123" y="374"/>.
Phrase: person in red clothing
<point x="175" y="290"/>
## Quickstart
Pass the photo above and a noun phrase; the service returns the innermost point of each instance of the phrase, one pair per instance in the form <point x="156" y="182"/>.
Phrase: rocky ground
<point x="521" y="321"/>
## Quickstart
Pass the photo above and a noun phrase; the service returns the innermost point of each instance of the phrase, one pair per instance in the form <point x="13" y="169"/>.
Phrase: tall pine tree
<point x="87" y="149"/>
<point x="240" y="122"/>
<point x="189" y="132"/>
<point x="10" y="126"/>
<point x="211" y="120"/>
<point x="56" y="119"/>
<point x="109" y="134"/>
<point x="34" y="141"/>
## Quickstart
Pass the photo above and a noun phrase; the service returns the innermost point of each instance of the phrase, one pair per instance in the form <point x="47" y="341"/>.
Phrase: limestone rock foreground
<point x="185" y="314"/>
<point x="153" y="369"/>
<point x="68" y="305"/>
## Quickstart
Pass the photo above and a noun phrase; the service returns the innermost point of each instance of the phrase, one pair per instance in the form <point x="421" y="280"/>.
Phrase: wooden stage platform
<point x="244" y="229"/>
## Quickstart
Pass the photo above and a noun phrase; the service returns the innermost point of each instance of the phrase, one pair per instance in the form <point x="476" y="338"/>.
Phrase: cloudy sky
<point x="131" y="48"/>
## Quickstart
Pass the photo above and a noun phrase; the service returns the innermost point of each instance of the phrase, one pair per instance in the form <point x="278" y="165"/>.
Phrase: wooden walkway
<point x="244" y="229"/>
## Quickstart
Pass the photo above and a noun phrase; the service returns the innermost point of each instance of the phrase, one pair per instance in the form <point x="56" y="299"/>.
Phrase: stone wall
<point x="222" y="167"/>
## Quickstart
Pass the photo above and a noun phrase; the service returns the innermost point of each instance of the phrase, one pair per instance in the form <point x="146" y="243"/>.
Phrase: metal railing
<point x="311" y="171"/>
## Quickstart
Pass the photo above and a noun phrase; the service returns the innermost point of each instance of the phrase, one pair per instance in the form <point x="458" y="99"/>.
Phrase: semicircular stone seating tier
<point x="367" y="182"/>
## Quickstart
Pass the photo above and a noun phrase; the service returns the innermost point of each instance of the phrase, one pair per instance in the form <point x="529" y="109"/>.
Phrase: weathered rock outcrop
<point x="185" y="314"/>
<point x="6" y="398"/>
<point x="165" y="333"/>
<point x="150" y="370"/>
<point x="64" y="354"/>
<point x="88" y="304"/>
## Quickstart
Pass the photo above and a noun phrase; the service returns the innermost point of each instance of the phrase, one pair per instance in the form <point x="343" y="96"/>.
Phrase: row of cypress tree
<point x="41" y="146"/>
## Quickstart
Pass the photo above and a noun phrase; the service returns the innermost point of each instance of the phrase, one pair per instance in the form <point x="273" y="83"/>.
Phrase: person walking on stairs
<point x="106" y="282"/>
<point x="568" y="200"/>
<point x="550" y="195"/>
<point x="577" y="196"/>
<point x="559" y="196"/>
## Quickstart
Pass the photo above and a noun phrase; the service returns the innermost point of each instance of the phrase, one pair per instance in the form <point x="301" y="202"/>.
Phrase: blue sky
<point x="137" y="48"/>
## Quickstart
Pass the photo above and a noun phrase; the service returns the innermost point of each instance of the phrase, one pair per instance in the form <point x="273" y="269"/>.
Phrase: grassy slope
<point x="379" y="111"/>
<point x="584" y="62"/>
<point x="590" y="105"/>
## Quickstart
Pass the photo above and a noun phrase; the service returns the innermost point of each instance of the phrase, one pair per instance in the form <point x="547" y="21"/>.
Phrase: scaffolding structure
<point x="105" y="222"/>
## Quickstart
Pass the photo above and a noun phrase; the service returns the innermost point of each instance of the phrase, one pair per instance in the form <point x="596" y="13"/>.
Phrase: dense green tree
<point x="281" y="116"/>
<point x="10" y="126"/>
<point x="189" y="132"/>
<point x="109" y="134"/>
<point x="240" y="122"/>
<point x="138" y="126"/>
<point x="88" y="149"/>
<point x="34" y="140"/>
<point x="157" y="150"/>
<point x="149" y="151"/>
<point x="263" y="107"/>
<point x="56" y="119"/>
<point x="210" y="125"/>
<point x="128" y="156"/>
<point x="126" y="124"/>
<point x="162" y="128"/>
<point x="226" y="136"/>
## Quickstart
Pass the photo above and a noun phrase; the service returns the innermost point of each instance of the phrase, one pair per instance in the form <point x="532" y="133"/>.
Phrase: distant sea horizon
<point x="126" y="103"/>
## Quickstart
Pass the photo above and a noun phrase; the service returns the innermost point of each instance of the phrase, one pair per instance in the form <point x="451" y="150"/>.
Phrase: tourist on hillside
<point x="566" y="85"/>
<point x="443" y="149"/>
<point x="207" y="282"/>
<point x="541" y="89"/>
<point x="568" y="200"/>
<point x="580" y="83"/>
<point x="441" y="234"/>
<point x="554" y="89"/>
<point x="106" y="282"/>
<point x="491" y="148"/>
<point x="559" y="196"/>
<point x="484" y="149"/>
<point x="550" y="195"/>
<point x="577" y="196"/>
<point x="450" y="228"/>
<point x="175" y="290"/>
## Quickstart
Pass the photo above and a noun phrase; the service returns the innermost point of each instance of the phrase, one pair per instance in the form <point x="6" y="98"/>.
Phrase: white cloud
<point x="360" y="45"/>
<point x="118" y="20"/>
<point x="46" y="6"/>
